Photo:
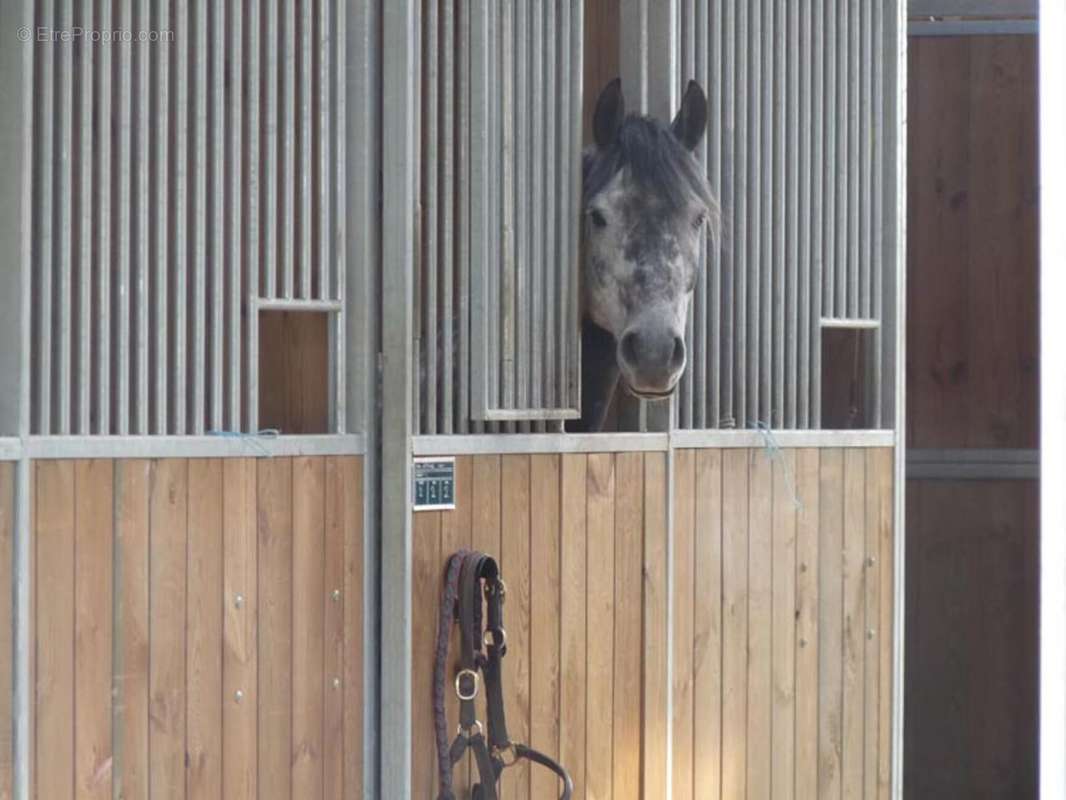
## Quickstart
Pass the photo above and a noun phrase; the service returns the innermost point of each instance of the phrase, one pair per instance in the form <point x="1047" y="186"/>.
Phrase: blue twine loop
<point x="773" y="451"/>
<point x="254" y="438"/>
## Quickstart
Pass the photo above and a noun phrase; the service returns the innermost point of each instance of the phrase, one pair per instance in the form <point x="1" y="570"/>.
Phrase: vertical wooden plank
<point x="599" y="582"/>
<point x="872" y="598"/>
<point x="734" y="622"/>
<point x="684" y="624"/>
<point x="354" y="632"/>
<point x="274" y="513"/>
<point x="427" y="575"/>
<point x="130" y="660"/>
<point x="707" y="628"/>
<point x="628" y="560"/>
<point x="456" y="534"/>
<point x="204" y="633"/>
<point x="655" y="650"/>
<point x="885" y="534"/>
<point x="168" y="507"/>
<point x="854" y="591"/>
<point x="573" y="638"/>
<point x="783" y="745"/>
<point x="333" y="596"/>
<point x="514" y="556"/>
<point x="760" y="610"/>
<point x="308" y="596"/>
<point x="544" y="606"/>
<point x="808" y="463"/>
<point x="93" y="549"/>
<point x="55" y="492"/>
<point x="240" y="609"/>
<point x="7" y="632"/>
<point x="830" y="627"/>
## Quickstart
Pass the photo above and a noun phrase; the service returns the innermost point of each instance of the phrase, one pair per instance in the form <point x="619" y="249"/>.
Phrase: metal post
<point x="399" y="46"/>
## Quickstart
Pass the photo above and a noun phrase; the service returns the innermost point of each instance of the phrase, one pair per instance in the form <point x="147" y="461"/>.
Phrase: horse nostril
<point x="628" y="350"/>
<point x="677" y="360"/>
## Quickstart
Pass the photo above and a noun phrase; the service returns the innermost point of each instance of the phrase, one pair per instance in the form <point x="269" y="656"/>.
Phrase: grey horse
<point x="646" y="205"/>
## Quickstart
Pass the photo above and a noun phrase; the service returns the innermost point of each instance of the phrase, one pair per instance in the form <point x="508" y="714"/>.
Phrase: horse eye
<point x="597" y="218"/>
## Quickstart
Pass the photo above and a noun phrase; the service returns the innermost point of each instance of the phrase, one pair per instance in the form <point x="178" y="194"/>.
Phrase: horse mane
<point x="658" y="163"/>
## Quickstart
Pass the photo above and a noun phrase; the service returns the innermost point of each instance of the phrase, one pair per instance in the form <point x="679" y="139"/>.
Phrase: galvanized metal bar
<point x="199" y="222"/>
<point x="850" y="324"/>
<point x="728" y="199"/>
<point x="523" y="260"/>
<point x="142" y="306"/>
<point x="741" y="229"/>
<point x="193" y="446"/>
<point x="464" y="210"/>
<point x="572" y="370"/>
<point x="830" y="112"/>
<point x="416" y="388"/>
<point x="783" y="266"/>
<point x="842" y="164"/>
<point x="235" y="231"/>
<point x="159" y="240"/>
<point x="215" y="221"/>
<point x="287" y="124"/>
<point x="496" y="212"/>
<point x="688" y="392"/>
<point x="64" y="201"/>
<point x="753" y="265"/>
<point x="880" y="218"/>
<point x="479" y="137"/>
<point x="505" y="444"/>
<point x="430" y="100"/>
<point x="44" y="211"/>
<point x="256" y="229"/>
<point x="552" y="252"/>
<point x="84" y="77"/>
<point x="306" y="86"/>
<point x="972" y="8"/>
<point x="102" y="226"/>
<point x="784" y="439"/>
<point x="399" y="143"/>
<point x="505" y="297"/>
<point x="808" y="171"/>
<point x="447" y="215"/>
<point x="866" y="137"/>
<point x="333" y="267"/>
<point x="768" y="307"/>
<point x="705" y="47"/>
<point x="711" y="406"/>
<point x="569" y="212"/>
<point x="271" y="153"/>
<point x="974" y="27"/>
<point x="533" y="222"/>
<point x="123" y="243"/>
<point x="821" y="245"/>
<point x="854" y="160"/>
<point x="793" y="155"/>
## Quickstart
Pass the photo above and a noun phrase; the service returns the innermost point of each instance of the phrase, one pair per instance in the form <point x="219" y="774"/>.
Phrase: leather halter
<point x="469" y="576"/>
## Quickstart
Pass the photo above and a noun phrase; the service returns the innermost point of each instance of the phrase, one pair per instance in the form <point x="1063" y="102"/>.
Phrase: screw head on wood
<point x="336" y="683"/>
<point x="238" y="696"/>
<point x="871" y="561"/>
<point x="335" y="595"/>
<point x="803" y="566"/>
<point x="870" y="633"/>
<point x="238" y="600"/>
<point x="803" y="642"/>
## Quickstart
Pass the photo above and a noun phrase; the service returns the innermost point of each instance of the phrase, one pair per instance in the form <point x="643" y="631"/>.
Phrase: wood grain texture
<point x="54" y="701"/>
<point x="355" y="569"/>
<point x="574" y="634"/>
<point x="332" y="679"/>
<point x="783" y="627"/>
<point x="133" y="484"/>
<point x="854" y="632"/>
<point x="427" y="570"/>
<point x="239" y="641"/>
<point x="656" y="611"/>
<point x="707" y="627"/>
<point x="887" y="690"/>
<point x="544" y="544"/>
<point x="734" y="622"/>
<point x="830" y="623"/>
<point x="167" y="665"/>
<point x="808" y="484"/>
<point x="93" y="552"/>
<point x="684" y="623"/>
<point x="294" y="371"/>
<point x="275" y="592"/>
<point x="204" y="634"/>
<point x="308" y="643"/>
<point x="599" y="582"/>
<point x="760" y="620"/>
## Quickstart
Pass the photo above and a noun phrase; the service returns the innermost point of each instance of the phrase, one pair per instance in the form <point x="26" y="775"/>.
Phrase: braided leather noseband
<point x="469" y="576"/>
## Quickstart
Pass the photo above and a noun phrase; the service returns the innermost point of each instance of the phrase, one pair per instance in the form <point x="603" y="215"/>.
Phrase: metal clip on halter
<point x="459" y="684"/>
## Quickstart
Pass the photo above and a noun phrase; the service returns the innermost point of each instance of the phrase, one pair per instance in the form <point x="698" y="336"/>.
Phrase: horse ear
<point x="610" y="113"/>
<point x="691" y="120"/>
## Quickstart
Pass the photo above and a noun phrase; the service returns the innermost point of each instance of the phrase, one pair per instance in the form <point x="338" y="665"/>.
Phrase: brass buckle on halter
<point x="506" y="760"/>
<point x="501" y="589"/>
<point x="458" y="684"/>
<point x="461" y="731"/>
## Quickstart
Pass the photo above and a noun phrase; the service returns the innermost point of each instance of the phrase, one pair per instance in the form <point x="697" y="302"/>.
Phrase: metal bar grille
<point x="795" y="153"/>
<point x="499" y="182"/>
<point x="182" y="179"/>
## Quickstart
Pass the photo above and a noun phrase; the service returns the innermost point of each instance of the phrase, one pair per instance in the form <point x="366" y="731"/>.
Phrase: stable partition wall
<point x="198" y="627"/>
<point x="760" y="665"/>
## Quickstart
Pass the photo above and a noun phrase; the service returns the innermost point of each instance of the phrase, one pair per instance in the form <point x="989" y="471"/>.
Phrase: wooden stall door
<point x="972" y="581"/>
